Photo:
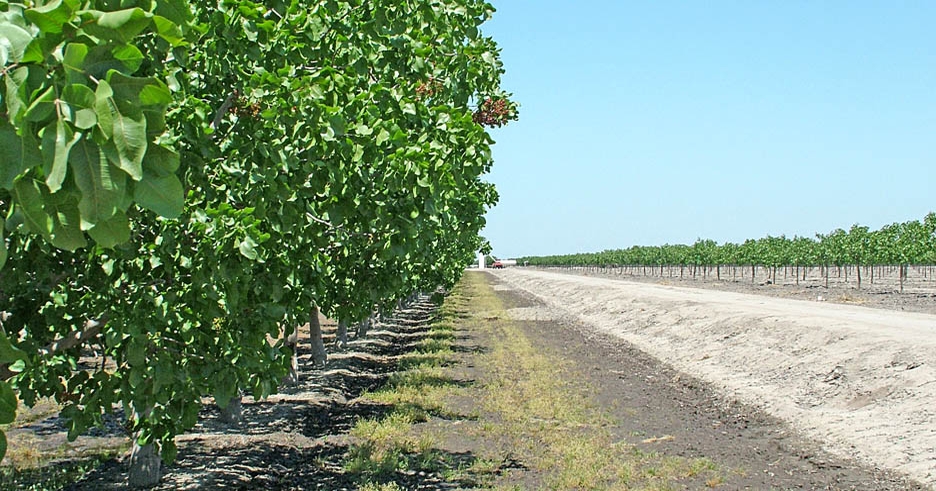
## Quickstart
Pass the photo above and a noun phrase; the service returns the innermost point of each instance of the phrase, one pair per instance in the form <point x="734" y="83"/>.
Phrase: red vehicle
<point x="497" y="265"/>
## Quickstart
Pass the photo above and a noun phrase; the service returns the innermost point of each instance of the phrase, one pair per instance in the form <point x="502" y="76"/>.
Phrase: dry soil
<point x="857" y="381"/>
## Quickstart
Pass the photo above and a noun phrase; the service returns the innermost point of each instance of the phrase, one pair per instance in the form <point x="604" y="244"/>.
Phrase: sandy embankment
<point x="860" y="381"/>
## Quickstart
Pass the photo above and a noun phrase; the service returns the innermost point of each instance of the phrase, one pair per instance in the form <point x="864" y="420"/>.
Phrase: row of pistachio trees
<point x="898" y="244"/>
<point x="185" y="183"/>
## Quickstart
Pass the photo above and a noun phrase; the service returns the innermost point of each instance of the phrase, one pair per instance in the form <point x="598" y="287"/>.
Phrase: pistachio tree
<point x="185" y="183"/>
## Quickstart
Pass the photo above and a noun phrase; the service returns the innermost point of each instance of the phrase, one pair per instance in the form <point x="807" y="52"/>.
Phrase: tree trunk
<point x="900" y="273"/>
<point x="319" y="356"/>
<point x="292" y="342"/>
<point x="234" y="411"/>
<point x="858" y="269"/>
<point x="342" y="335"/>
<point x="363" y="327"/>
<point x="145" y="466"/>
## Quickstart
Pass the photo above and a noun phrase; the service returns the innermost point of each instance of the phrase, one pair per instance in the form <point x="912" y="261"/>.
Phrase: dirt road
<point x="861" y="382"/>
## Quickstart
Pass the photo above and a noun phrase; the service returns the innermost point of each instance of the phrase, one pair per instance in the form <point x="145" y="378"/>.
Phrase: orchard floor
<point x="655" y="427"/>
<point x="297" y="439"/>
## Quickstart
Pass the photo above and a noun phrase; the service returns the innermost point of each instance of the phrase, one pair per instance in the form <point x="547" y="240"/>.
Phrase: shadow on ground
<point x="298" y="440"/>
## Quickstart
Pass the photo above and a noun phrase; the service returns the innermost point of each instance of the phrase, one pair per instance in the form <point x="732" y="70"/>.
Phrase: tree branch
<point x="225" y="107"/>
<point x="90" y="330"/>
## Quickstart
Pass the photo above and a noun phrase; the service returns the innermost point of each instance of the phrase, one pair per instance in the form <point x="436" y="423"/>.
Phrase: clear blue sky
<point x="645" y="123"/>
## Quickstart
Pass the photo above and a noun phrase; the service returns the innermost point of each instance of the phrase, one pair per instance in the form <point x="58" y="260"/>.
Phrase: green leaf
<point x="248" y="248"/>
<point x="317" y="92"/>
<point x="136" y="353"/>
<point x="168" y="451"/>
<point x="160" y="160"/>
<point x="8" y="352"/>
<point x="66" y="224"/>
<point x="3" y="248"/>
<point x="81" y="99"/>
<point x="114" y="231"/>
<point x="136" y="377"/>
<point x="382" y="137"/>
<point x="7" y="404"/>
<point x="65" y="139"/>
<point x="28" y="196"/>
<point x="225" y="389"/>
<point x="169" y="31"/>
<point x="13" y="42"/>
<point x="161" y="194"/>
<point x="37" y="50"/>
<point x="101" y="190"/>
<point x="155" y="93"/>
<point x="337" y="125"/>
<point x="52" y="16"/>
<point x="42" y="107"/>
<point x="16" y="154"/>
<point x="17" y="366"/>
<point x="16" y="98"/>
<point x="120" y="25"/>
<point x="105" y="108"/>
<point x="363" y="130"/>
<point x="3" y="442"/>
<point x="128" y="55"/>
<point x="124" y="123"/>
<point x="102" y="59"/>
<point x="74" y="62"/>
<point x="177" y="11"/>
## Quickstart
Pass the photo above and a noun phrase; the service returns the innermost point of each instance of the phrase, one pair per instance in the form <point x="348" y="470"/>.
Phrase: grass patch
<point x="388" y="447"/>
<point x="531" y="411"/>
<point x="44" y="408"/>
<point x="391" y="486"/>
<point x="539" y="409"/>
<point x="32" y="463"/>
<point x="51" y="471"/>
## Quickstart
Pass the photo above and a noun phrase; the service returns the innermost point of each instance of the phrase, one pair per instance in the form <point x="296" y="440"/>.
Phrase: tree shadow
<point x="283" y="467"/>
<point x="112" y="425"/>
<point x="316" y="409"/>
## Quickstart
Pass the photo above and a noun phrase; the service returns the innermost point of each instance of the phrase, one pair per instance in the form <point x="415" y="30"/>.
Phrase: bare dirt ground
<point x="858" y="382"/>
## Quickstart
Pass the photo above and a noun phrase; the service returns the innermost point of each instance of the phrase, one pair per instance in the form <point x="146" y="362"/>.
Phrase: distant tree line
<point x="895" y="246"/>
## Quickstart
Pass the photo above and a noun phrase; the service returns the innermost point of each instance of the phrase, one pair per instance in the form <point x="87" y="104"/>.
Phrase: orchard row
<point x="185" y="183"/>
<point x="898" y="244"/>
